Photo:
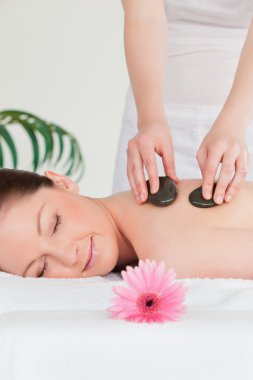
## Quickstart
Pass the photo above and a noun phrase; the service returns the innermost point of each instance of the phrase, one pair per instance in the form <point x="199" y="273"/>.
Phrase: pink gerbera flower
<point x="151" y="297"/>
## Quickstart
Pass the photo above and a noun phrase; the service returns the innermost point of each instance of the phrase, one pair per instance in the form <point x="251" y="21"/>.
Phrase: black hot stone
<point x="166" y="194"/>
<point x="197" y="200"/>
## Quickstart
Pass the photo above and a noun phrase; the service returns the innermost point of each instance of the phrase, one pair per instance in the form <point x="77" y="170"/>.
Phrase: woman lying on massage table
<point x="48" y="229"/>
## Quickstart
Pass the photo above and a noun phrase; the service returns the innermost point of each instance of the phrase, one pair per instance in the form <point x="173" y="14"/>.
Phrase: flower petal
<point x="126" y="313"/>
<point x="173" y="289"/>
<point x="126" y="293"/>
<point x="124" y="304"/>
<point x="146" y="280"/>
<point x="158" y="276"/>
<point x="148" y="273"/>
<point x="144" y="269"/>
<point x="140" y="275"/>
<point x="130" y="277"/>
<point x="166" y="281"/>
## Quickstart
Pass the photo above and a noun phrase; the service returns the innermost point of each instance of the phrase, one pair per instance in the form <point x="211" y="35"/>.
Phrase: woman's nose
<point x="64" y="252"/>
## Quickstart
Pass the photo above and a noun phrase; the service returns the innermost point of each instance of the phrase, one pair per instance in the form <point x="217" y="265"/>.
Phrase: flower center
<point x="148" y="303"/>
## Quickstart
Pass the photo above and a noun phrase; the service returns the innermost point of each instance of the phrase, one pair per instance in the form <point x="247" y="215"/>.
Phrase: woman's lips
<point x="92" y="256"/>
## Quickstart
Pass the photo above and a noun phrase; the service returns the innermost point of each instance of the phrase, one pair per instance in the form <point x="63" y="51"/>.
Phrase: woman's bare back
<point x="212" y="242"/>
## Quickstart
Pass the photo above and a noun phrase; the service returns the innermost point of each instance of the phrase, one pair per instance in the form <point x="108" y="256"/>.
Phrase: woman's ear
<point x="62" y="181"/>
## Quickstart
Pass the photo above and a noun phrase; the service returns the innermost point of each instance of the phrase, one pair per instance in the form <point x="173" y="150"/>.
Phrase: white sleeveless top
<point x="205" y="41"/>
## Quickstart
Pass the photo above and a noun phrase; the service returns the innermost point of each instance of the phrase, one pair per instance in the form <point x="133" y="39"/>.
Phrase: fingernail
<point x="219" y="199"/>
<point x="208" y="195"/>
<point x="229" y="198"/>
<point x="154" y="189"/>
<point x="141" y="197"/>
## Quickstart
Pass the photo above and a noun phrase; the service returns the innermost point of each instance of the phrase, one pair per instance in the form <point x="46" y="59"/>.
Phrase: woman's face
<point x="55" y="226"/>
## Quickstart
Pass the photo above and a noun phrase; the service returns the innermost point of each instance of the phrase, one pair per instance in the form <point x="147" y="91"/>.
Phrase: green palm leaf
<point x="59" y="132"/>
<point x="35" y="145"/>
<point x="34" y="125"/>
<point x="8" y="139"/>
<point x="1" y="155"/>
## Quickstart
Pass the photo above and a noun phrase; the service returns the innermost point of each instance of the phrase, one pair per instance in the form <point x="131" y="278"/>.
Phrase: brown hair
<point x="16" y="183"/>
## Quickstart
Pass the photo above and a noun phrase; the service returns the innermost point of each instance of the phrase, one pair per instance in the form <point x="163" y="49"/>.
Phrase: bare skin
<point x="213" y="242"/>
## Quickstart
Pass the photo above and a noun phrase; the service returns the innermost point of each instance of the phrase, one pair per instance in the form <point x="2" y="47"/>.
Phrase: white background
<point x="64" y="61"/>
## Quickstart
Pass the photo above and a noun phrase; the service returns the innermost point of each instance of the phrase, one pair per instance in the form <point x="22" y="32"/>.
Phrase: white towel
<point x="59" y="329"/>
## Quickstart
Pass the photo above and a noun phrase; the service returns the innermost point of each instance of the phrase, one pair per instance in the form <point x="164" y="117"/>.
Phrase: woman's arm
<point x="239" y="104"/>
<point x="145" y="48"/>
<point x="145" y="37"/>
<point x="226" y="141"/>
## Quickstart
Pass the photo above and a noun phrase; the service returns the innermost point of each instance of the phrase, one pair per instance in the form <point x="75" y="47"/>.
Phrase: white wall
<point x="64" y="61"/>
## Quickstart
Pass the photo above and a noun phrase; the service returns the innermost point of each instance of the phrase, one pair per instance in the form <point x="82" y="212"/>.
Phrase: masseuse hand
<point x="151" y="138"/>
<point x="225" y="142"/>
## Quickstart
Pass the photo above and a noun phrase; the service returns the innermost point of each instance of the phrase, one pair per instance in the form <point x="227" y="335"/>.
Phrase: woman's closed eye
<point x="58" y="222"/>
<point x="44" y="269"/>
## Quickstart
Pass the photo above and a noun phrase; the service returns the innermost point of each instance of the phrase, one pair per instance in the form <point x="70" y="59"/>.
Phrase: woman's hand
<point x="225" y="142"/>
<point x="151" y="138"/>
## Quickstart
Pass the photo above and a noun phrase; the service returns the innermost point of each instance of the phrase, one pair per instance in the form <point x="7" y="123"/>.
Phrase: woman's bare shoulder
<point x="184" y="188"/>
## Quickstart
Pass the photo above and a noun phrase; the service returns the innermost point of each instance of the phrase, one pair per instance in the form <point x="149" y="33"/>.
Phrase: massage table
<point x="59" y="329"/>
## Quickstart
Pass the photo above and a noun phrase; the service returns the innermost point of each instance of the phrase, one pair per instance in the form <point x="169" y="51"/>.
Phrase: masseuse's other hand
<point x="225" y="143"/>
<point x="151" y="139"/>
